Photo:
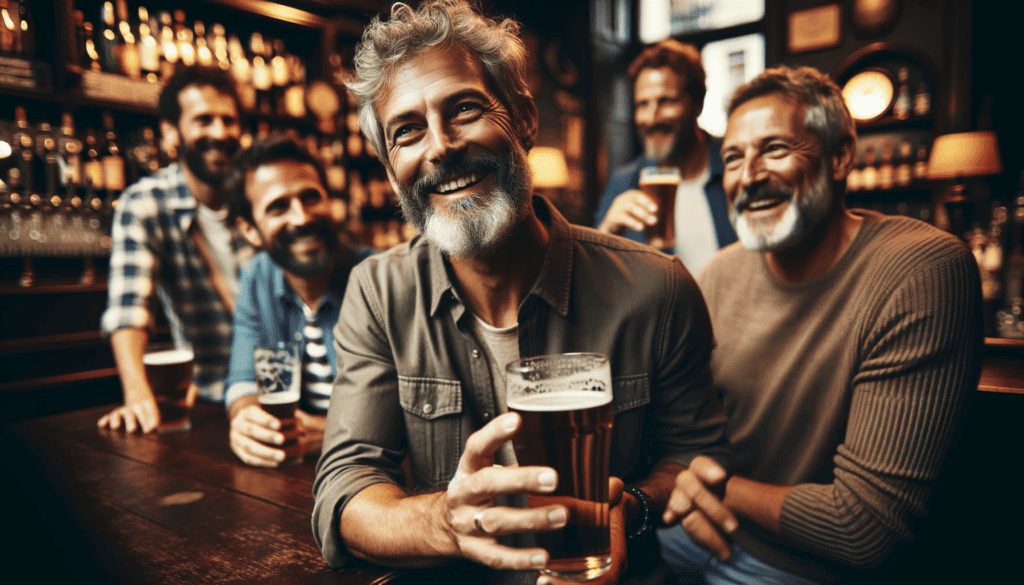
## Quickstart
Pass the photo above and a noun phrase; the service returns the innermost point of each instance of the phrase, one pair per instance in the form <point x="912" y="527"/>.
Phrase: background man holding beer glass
<point x="290" y="296"/>
<point x="427" y="328"/>
<point x="842" y="427"/>
<point x="169" y="241"/>
<point x="692" y="218"/>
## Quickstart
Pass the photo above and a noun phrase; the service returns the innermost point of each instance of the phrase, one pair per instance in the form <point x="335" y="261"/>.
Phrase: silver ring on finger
<point x="479" y="525"/>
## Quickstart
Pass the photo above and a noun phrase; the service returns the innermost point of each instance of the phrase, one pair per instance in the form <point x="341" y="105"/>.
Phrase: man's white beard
<point x="469" y="226"/>
<point x="799" y="218"/>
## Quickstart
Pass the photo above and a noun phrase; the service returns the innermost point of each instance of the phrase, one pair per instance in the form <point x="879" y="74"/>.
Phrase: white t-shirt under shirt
<point x="696" y="239"/>
<point x="501" y="346"/>
<point x="218" y="238"/>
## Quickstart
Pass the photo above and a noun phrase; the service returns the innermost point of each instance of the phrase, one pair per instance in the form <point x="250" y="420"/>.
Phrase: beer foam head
<point x="659" y="180"/>
<point x="285" y="397"/>
<point x="560" y="401"/>
<point x="167" y="357"/>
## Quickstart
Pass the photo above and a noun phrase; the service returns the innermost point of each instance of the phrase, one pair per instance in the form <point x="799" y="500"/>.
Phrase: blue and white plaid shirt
<point x="152" y="255"/>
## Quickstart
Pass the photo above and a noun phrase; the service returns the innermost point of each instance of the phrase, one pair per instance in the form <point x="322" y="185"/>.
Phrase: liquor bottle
<point x="921" y="166"/>
<point x="295" y="95"/>
<point x="10" y="27"/>
<point x="184" y="36"/>
<point x="92" y="166"/>
<point x="149" y="153"/>
<point x="220" y="47"/>
<point x="261" y="74"/>
<point x="149" y="48"/>
<point x="901" y="109"/>
<point x="204" y="56"/>
<point x="24" y="148"/>
<point x="69" y="147"/>
<point x="280" y="76"/>
<point x="904" y="172"/>
<point x="90" y="56"/>
<point x="28" y="31"/>
<point x="886" y="172"/>
<point x="1010" y="320"/>
<point x="922" y="100"/>
<point x="46" y="165"/>
<point x="106" y="41"/>
<point x="127" y="51"/>
<point x="869" y="176"/>
<point x="113" y="158"/>
<point x="242" y="72"/>
<point x="168" y="46"/>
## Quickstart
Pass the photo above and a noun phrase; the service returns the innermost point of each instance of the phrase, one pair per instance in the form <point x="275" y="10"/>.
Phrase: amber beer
<point x="567" y="424"/>
<point x="279" y="383"/>
<point x="661" y="185"/>
<point x="169" y="373"/>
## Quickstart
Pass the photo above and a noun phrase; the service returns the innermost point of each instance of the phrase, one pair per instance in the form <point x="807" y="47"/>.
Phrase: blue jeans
<point x="694" y="564"/>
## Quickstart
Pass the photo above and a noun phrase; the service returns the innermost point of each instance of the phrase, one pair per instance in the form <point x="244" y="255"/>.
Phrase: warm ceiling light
<point x="868" y="94"/>
<point x="548" y="167"/>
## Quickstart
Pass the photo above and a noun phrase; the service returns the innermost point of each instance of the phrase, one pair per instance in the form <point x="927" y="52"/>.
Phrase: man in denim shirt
<point x="290" y="293"/>
<point x="426" y="328"/>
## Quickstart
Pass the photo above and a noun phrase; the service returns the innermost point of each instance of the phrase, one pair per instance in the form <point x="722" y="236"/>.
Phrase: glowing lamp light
<point x="868" y="95"/>
<point x="548" y="167"/>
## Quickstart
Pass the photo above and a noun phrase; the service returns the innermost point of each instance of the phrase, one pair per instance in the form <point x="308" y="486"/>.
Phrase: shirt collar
<point x="283" y="292"/>
<point x="553" y="284"/>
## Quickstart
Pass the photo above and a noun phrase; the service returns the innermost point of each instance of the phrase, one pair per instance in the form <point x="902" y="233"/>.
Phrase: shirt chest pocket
<point x="433" y="424"/>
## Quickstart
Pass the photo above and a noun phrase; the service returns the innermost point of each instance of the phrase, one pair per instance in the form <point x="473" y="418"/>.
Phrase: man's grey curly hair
<point x="444" y="23"/>
<point x="827" y="116"/>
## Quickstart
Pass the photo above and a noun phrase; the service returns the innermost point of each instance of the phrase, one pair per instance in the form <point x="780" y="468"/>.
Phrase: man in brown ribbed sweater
<point x="848" y="344"/>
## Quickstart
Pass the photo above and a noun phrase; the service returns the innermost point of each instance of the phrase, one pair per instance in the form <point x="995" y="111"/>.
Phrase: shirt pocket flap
<point x="629" y="392"/>
<point x="429" y="398"/>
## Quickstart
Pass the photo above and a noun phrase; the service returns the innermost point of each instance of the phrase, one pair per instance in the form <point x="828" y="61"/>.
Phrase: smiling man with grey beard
<point x="847" y="345"/>
<point x="427" y="328"/>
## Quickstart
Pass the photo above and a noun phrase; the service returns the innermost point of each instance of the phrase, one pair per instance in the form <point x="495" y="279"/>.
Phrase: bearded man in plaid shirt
<point x="170" y="241"/>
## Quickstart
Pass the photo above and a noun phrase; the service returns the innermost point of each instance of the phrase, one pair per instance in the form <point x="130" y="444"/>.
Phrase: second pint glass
<point x="661" y="184"/>
<point x="279" y="386"/>
<point x="565" y="402"/>
<point x="169" y="373"/>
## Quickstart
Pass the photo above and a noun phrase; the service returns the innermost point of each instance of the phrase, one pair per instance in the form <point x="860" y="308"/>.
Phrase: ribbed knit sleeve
<point x="920" y="357"/>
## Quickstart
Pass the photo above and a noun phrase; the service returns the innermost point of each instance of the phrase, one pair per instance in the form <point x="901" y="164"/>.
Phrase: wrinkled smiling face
<point x="776" y="180"/>
<point x="453" y="154"/>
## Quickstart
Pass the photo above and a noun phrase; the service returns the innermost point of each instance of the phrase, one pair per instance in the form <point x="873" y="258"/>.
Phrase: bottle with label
<point x="185" y="39"/>
<point x="90" y="56"/>
<point x="128" y="52"/>
<point x="24" y="150"/>
<point x="112" y="158"/>
<point x="922" y="100"/>
<point x="886" y="172"/>
<point x="149" y="47"/>
<point x="69" y="148"/>
<point x="46" y="153"/>
<point x="10" y="28"/>
<point x="168" y="46"/>
<point x="904" y="171"/>
<point x="902" y="107"/>
<point x="921" y="166"/>
<point x="92" y="165"/>
<point x="107" y="39"/>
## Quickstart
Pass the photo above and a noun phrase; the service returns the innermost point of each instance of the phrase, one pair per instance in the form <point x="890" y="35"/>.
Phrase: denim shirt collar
<point x="284" y="294"/>
<point x="553" y="284"/>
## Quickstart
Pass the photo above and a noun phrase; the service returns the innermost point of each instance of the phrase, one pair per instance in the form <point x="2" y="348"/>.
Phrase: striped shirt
<point x="152" y="257"/>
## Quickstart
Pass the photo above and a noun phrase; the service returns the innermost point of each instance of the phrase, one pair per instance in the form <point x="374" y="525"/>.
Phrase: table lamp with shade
<point x="959" y="156"/>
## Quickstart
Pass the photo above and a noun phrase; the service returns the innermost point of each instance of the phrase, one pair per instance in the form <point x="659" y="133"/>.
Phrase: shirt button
<point x="428" y="408"/>
<point x="476" y="353"/>
<point x="487" y="417"/>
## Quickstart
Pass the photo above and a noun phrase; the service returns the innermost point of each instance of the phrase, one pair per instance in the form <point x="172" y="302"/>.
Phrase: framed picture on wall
<point x="814" y="29"/>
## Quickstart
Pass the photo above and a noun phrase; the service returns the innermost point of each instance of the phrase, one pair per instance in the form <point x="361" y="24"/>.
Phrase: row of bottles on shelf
<point x="998" y="245"/>
<point x="53" y="175"/>
<point x="150" y="45"/>
<point x="17" y="29"/>
<point x="902" y="169"/>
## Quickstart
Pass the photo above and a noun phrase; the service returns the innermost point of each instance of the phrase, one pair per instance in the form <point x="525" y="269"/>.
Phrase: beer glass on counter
<point x="279" y="386"/>
<point x="565" y="402"/>
<point x="661" y="184"/>
<point x="169" y="373"/>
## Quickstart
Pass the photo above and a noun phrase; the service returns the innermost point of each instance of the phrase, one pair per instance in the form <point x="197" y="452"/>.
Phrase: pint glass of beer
<point x="661" y="184"/>
<point x="279" y="384"/>
<point x="565" y="402"/>
<point x="169" y="373"/>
